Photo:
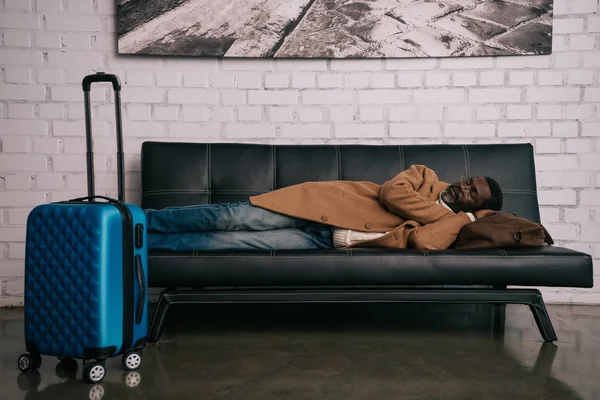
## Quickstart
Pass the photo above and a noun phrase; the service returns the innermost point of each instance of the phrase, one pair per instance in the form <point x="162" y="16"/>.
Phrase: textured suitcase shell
<point x="75" y="301"/>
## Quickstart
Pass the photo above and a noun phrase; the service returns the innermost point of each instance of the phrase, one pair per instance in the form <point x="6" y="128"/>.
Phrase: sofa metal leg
<point x="158" y="320"/>
<point x="542" y="319"/>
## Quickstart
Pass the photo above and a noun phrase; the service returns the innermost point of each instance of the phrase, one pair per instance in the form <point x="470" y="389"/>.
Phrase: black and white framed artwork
<point x="334" y="28"/>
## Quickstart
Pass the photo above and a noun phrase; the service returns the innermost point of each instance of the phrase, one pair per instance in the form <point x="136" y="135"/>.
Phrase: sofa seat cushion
<point x="539" y="266"/>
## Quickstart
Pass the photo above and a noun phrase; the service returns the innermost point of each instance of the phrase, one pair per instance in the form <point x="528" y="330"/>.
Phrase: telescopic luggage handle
<point x="116" y="83"/>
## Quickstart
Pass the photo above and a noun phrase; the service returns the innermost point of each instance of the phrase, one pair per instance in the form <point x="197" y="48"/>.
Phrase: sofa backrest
<point x="197" y="173"/>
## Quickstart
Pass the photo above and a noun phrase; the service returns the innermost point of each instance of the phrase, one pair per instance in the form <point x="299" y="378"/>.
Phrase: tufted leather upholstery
<point x="197" y="173"/>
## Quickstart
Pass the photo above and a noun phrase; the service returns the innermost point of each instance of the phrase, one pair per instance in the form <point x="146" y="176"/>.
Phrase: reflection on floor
<point x="336" y="352"/>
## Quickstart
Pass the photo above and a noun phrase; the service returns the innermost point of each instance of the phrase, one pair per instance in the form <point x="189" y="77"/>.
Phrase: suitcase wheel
<point x="94" y="372"/>
<point x="29" y="361"/>
<point x="132" y="360"/>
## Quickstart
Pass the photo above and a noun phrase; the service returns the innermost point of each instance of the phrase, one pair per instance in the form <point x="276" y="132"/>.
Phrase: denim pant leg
<point x="313" y="237"/>
<point x="241" y="216"/>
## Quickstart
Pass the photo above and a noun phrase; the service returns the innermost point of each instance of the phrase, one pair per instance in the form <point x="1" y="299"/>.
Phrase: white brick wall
<point x="49" y="45"/>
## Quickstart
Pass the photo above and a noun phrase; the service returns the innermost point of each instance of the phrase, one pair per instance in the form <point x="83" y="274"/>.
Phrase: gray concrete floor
<point x="336" y="352"/>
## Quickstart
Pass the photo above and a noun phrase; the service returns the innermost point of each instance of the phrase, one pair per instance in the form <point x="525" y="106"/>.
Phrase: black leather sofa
<point x="197" y="173"/>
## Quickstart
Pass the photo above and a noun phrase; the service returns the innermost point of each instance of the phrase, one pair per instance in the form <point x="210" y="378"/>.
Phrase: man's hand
<point x="483" y="213"/>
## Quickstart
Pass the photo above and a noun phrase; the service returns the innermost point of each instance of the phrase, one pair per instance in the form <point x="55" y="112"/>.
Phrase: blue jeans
<point x="232" y="226"/>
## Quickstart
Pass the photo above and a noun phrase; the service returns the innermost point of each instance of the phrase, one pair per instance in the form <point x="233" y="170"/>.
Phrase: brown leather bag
<point x="502" y="229"/>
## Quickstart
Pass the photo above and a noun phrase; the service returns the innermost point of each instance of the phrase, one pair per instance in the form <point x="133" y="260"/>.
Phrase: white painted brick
<point x="189" y="64"/>
<point x="417" y="64"/>
<point x="223" y="80"/>
<point x="591" y="59"/>
<point x="592" y="94"/>
<point x="520" y="78"/>
<point x="570" y="59"/>
<point x="556" y="162"/>
<point x="77" y="128"/>
<point x="449" y="96"/>
<point x="15" y="144"/>
<point x="579" y="145"/>
<point x="138" y="113"/>
<point x="49" y="5"/>
<point x="518" y="112"/>
<point x="543" y="146"/>
<point x="18" y="216"/>
<point x="342" y="113"/>
<point x="143" y="129"/>
<point x="590" y="232"/>
<point x="138" y="78"/>
<point x="550" y="78"/>
<point x="222" y="114"/>
<point x="489" y="113"/>
<point x="193" y="130"/>
<point x="329" y="97"/>
<point x="410" y="79"/>
<point x="467" y="63"/>
<point x="249" y="131"/>
<point x="571" y="25"/>
<point x="553" y="94"/>
<point x="277" y="80"/>
<point x="192" y="96"/>
<point x="368" y="113"/>
<point x="280" y="114"/>
<point x="459" y="113"/>
<point x="79" y="6"/>
<point x="168" y="79"/>
<point x="549" y="112"/>
<point x="233" y="97"/>
<point x="16" y="75"/>
<point x="304" y="65"/>
<point x="548" y="215"/>
<point x="582" y="6"/>
<point x="17" y="38"/>
<point x="469" y="130"/>
<point x="275" y="97"/>
<point x="520" y="129"/>
<point x="565" y="129"/>
<point x="77" y="146"/>
<point x="303" y="80"/>
<point x="581" y="42"/>
<point x="330" y="81"/>
<point x="12" y="234"/>
<point x="249" y="113"/>
<point x="166" y="113"/>
<point x="23" y="127"/>
<point x="86" y="59"/>
<point x="194" y="79"/>
<point x="409" y="129"/>
<point x="404" y="113"/>
<point x="106" y="7"/>
<point x="559" y="43"/>
<point x="495" y="95"/>
<point x="16" y="251"/>
<point x="76" y="111"/>
<point x="20" y="5"/>
<point x="579" y="111"/>
<point x="356" y="65"/>
<point x="356" y="81"/>
<point x="464" y="79"/>
<point x="52" y="111"/>
<point x="382" y="80"/>
<point x="18" y="163"/>
<point x="523" y="62"/>
<point x="76" y="163"/>
<point x="102" y="42"/>
<point x="431" y="113"/>
<point x="491" y="78"/>
<point x="434" y="78"/>
<point x="590" y="162"/>
<point x="17" y="181"/>
<point x="249" y="80"/>
<point x="48" y="75"/>
<point x="310" y="114"/>
<point x="588" y="198"/>
<point x="78" y="41"/>
<point x="359" y="130"/>
<point x="47" y="40"/>
<point x="46" y="146"/>
<point x="557" y="197"/>
<point x="305" y="131"/>
<point x="580" y="77"/>
<point x="578" y="179"/>
<point x="19" y="21"/>
<point x="66" y="22"/>
<point x="593" y="23"/>
<point x="563" y="231"/>
<point x="580" y="214"/>
<point x="17" y="110"/>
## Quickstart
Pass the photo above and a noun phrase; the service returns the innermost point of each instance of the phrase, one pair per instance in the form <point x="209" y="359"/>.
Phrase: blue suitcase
<point x="85" y="273"/>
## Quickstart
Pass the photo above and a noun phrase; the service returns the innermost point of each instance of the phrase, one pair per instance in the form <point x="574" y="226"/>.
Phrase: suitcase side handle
<point x="87" y="81"/>
<point x="141" y="279"/>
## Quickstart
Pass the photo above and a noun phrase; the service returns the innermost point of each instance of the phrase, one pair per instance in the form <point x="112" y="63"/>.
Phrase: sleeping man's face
<point x="467" y="195"/>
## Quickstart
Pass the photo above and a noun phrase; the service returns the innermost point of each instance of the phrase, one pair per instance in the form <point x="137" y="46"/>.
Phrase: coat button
<point x="324" y="218"/>
<point x="368" y="226"/>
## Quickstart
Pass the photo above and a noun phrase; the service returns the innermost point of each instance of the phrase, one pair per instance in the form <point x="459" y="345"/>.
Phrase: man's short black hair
<point x="495" y="203"/>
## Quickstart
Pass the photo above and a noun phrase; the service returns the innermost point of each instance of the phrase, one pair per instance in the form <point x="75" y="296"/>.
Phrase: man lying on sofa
<point x="413" y="210"/>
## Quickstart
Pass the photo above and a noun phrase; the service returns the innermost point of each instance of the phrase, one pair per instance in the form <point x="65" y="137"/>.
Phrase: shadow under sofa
<point x="177" y="174"/>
